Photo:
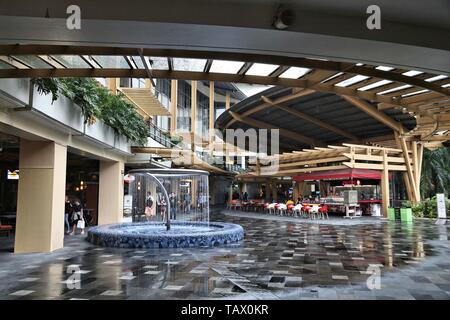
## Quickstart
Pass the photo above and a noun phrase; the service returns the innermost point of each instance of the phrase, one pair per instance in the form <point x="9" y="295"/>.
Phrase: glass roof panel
<point x="406" y="86"/>
<point x="33" y="61"/>
<point x="159" y="63"/>
<point x="384" y="68"/>
<point x="138" y="62"/>
<point x="294" y="73"/>
<point x="225" y="66"/>
<point x="412" y="73"/>
<point x="112" y="62"/>
<point x="414" y="93"/>
<point x="261" y="69"/>
<point x="352" y="80"/>
<point x="375" y="85"/>
<point x="436" y="78"/>
<point x="185" y="64"/>
<point x="72" y="61"/>
<point x="4" y="65"/>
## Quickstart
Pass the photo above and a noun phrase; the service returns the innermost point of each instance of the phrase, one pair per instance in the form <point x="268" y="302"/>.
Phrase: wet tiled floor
<point x="282" y="259"/>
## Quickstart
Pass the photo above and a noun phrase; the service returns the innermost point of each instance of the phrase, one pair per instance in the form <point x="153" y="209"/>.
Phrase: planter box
<point x="391" y="214"/>
<point x="406" y="214"/>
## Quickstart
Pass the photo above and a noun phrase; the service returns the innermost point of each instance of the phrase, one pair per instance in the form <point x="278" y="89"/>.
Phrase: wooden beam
<point x="373" y="166"/>
<point x="284" y="132"/>
<point x="412" y="181"/>
<point x="237" y="56"/>
<point x="292" y="172"/>
<point x="227" y="100"/>
<point x="374" y="113"/>
<point x="311" y="119"/>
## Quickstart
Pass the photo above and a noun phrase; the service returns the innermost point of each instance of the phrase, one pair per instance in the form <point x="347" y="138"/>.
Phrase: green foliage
<point x="435" y="176"/>
<point x="426" y="208"/>
<point x="96" y="102"/>
<point x="176" y="139"/>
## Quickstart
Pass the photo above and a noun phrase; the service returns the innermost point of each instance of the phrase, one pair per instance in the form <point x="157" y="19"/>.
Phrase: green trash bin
<point x="391" y="214"/>
<point x="406" y="214"/>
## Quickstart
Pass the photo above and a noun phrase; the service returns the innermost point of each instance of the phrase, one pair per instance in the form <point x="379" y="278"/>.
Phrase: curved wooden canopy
<point x="424" y="95"/>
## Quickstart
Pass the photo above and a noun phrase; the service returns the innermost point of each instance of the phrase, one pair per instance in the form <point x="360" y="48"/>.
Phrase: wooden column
<point x="193" y="112"/>
<point x="409" y="170"/>
<point x="227" y="101"/>
<point x="414" y="148"/>
<point x="211" y="115"/>
<point x="173" y="105"/>
<point x="385" y="185"/>
<point x="113" y="84"/>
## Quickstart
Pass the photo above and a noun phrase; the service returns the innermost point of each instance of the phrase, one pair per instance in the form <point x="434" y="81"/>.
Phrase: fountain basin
<point x="154" y="235"/>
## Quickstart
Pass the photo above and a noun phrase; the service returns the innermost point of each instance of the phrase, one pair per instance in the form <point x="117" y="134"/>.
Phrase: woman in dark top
<point x="67" y="212"/>
<point x="77" y="216"/>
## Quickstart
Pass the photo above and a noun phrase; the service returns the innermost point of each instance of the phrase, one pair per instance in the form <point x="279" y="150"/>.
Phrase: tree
<point x="435" y="172"/>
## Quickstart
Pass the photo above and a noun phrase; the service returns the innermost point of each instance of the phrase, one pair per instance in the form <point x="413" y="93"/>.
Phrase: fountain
<point x="167" y="208"/>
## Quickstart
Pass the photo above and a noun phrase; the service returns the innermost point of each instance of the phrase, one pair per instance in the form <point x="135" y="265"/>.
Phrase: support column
<point x="211" y="116"/>
<point x="385" y="185"/>
<point x="40" y="202"/>
<point x="173" y="105"/>
<point x="227" y="100"/>
<point x="110" y="195"/>
<point x="193" y="113"/>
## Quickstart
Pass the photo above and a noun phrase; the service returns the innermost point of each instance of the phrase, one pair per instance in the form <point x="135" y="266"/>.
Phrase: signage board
<point x="440" y="198"/>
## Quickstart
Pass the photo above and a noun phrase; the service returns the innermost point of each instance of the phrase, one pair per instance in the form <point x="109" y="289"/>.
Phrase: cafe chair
<point x="323" y="211"/>
<point x="282" y="208"/>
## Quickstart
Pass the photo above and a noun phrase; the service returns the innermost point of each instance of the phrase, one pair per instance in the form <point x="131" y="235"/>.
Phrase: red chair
<point x="323" y="211"/>
<point x="289" y="208"/>
<point x="5" y="228"/>
<point x="306" y="210"/>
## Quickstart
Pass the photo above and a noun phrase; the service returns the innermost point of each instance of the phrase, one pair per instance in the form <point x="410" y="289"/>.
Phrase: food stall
<point x="332" y="186"/>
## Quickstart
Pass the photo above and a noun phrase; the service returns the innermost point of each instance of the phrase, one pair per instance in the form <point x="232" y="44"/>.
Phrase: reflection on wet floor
<point x="277" y="259"/>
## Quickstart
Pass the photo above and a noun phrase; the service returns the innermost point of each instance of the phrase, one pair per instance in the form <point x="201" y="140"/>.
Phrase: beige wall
<point x="40" y="203"/>
<point x="110" y="201"/>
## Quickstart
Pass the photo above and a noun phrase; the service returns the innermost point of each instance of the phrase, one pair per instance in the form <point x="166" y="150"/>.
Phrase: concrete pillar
<point x="385" y="185"/>
<point x="110" y="195"/>
<point x="40" y="202"/>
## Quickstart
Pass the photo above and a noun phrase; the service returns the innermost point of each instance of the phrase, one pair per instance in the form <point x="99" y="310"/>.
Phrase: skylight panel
<point x="225" y="66"/>
<point x="412" y="73"/>
<point x="406" y="86"/>
<point x="294" y="73"/>
<point x="261" y="69"/>
<point x="112" y="62"/>
<point x="192" y="65"/>
<point x="71" y="61"/>
<point x="414" y="93"/>
<point x="436" y="78"/>
<point x="159" y="63"/>
<point x="375" y="85"/>
<point x="352" y="80"/>
<point x="384" y="68"/>
<point x="33" y="61"/>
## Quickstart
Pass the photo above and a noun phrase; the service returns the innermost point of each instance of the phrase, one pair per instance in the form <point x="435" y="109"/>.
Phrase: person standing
<point x="149" y="205"/>
<point x="77" y="218"/>
<point x="173" y="206"/>
<point x="68" y="209"/>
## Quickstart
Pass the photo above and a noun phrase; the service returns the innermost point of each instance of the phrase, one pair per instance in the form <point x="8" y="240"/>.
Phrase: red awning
<point x="341" y="174"/>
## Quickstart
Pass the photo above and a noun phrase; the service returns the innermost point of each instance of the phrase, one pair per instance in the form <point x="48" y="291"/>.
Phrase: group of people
<point x="177" y="204"/>
<point x="73" y="216"/>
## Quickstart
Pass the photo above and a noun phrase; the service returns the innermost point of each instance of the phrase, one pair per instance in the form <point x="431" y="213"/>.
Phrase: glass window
<point x="112" y="62"/>
<point x="33" y="61"/>
<point x="224" y="66"/>
<point x="193" y="65"/>
<point x="294" y="73"/>
<point x="184" y="106"/>
<point x="71" y="61"/>
<point x="261" y="69"/>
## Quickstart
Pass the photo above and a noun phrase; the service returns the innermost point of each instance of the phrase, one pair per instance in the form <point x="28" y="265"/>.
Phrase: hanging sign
<point x="440" y="198"/>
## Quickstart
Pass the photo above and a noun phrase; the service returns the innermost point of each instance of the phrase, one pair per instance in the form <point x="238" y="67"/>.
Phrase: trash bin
<point x="406" y="214"/>
<point x="391" y="214"/>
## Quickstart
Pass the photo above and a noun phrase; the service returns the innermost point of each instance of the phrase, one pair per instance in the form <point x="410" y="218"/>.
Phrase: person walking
<point x="68" y="209"/>
<point x="77" y="218"/>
